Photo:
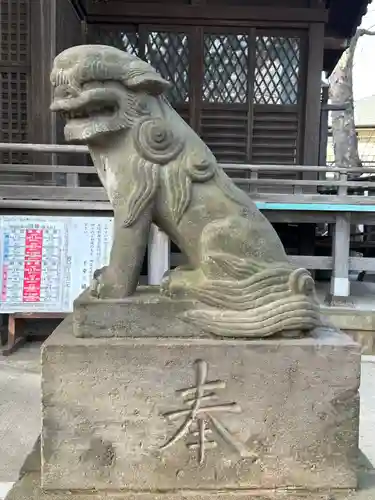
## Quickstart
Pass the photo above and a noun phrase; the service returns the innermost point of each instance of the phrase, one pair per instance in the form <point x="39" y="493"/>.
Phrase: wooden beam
<point x="314" y="182"/>
<point x="299" y="217"/>
<point x="265" y="201"/>
<point x="43" y="148"/>
<point x="55" y="207"/>
<point x="363" y="218"/>
<point x="141" y="11"/>
<point x="210" y="22"/>
<point x="52" y="193"/>
<point x="362" y="264"/>
<point x="72" y="149"/>
<point x="327" y="203"/>
<point x="61" y="169"/>
<point x="42" y="39"/>
<point x="312" y="98"/>
<point x="92" y="205"/>
<point x="311" y="261"/>
<point x="306" y="261"/>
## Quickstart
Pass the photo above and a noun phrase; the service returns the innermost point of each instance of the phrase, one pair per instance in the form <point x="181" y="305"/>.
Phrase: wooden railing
<point x="341" y="196"/>
<point x="272" y="183"/>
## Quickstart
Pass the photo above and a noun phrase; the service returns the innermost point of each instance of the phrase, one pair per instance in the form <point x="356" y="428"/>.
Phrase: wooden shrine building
<point x="247" y="73"/>
<point x="247" y="77"/>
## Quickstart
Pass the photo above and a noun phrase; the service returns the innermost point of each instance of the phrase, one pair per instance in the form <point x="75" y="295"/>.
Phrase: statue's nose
<point x="62" y="96"/>
<point x="65" y="92"/>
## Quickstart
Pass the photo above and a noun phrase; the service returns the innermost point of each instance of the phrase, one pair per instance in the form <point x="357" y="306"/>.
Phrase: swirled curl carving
<point x="201" y="170"/>
<point x="155" y="141"/>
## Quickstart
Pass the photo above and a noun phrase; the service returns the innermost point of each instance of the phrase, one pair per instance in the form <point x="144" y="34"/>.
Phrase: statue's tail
<point x="270" y="301"/>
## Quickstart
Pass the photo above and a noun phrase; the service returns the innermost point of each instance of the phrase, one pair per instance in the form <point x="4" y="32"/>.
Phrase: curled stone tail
<point x="270" y="301"/>
<point x="301" y="316"/>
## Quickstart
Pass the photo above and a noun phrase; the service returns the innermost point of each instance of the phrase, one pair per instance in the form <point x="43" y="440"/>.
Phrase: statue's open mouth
<point x="87" y="111"/>
<point x="89" y="104"/>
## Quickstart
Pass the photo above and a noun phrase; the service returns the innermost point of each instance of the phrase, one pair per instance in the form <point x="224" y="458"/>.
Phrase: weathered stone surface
<point x="28" y="488"/>
<point x="147" y="313"/>
<point x="289" y="416"/>
<point x="155" y="168"/>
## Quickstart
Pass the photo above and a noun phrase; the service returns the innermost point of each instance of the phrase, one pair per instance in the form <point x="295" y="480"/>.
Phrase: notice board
<point x="45" y="262"/>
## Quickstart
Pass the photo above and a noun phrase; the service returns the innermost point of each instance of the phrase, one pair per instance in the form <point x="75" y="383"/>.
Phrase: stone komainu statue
<point x="156" y="169"/>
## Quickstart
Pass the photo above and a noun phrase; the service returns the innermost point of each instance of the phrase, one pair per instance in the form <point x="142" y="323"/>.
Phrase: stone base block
<point x="28" y="487"/>
<point x="145" y="314"/>
<point x="202" y="415"/>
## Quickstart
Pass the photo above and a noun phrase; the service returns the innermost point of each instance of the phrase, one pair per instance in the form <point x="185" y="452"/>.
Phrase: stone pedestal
<point x="174" y="416"/>
<point x="145" y="314"/>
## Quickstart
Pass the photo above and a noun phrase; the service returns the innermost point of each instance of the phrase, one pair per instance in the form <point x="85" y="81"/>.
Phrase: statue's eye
<point x="65" y="92"/>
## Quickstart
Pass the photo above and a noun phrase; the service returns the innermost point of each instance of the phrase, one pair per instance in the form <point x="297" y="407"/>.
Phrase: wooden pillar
<point x="324" y="118"/>
<point x="312" y="97"/>
<point x="312" y="118"/>
<point x="158" y="255"/>
<point x="340" y="286"/>
<point x="42" y="123"/>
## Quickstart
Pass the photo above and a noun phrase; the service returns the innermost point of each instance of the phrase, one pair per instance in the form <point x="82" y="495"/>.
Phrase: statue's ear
<point x="141" y="76"/>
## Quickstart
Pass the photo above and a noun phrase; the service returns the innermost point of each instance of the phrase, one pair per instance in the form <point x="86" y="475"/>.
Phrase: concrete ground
<point x="20" y="418"/>
<point x="361" y="293"/>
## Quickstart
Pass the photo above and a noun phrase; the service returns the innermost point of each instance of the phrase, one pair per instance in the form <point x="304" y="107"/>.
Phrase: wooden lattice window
<point x="277" y="64"/>
<point x="241" y="91"/>
<point x="169" y="53"/>
<point x="124" y="39"/>
<point x="13" y="105"/>
<point x="250" y="97"/>
<point x="226" y="68"/>
<point x="14" y="73"/>
<point x="14" y="22"/>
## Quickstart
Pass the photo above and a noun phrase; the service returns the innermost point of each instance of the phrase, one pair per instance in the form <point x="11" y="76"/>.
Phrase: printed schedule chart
<point x="46" y="262"/>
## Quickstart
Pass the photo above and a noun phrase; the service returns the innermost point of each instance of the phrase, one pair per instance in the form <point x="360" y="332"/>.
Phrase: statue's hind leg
<point x="181" y="280"/>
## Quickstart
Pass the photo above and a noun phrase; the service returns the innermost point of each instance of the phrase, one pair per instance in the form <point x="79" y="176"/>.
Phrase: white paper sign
<point x="45" y="262"/>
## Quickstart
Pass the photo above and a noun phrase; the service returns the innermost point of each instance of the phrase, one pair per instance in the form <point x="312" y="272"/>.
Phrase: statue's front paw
<point x="96" y="281"/>
<point x="104" y="284"/>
